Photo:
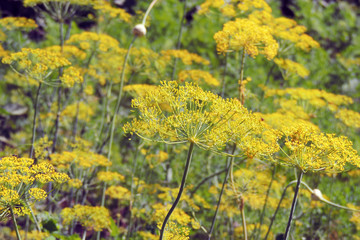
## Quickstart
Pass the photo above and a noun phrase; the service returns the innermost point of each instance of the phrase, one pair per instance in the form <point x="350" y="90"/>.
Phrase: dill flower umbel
<point x="349" y="117"/>
<point x="186" y="57"/>
<point x="194" y="116"/>
<point x="315" y="151"/>
<point x="292" y="67"/>
<point x="14" y="23"/>
<point x="92" y="218"/>
<point x="247" y="35"/>
<point x="198" y="76"/>
<point x="18" y="180"/>
<point x="36" y="63"/>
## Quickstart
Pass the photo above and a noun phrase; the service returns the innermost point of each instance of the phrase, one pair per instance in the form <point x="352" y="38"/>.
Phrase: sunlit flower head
<point x="247" y="35"/>
<point x="185" y="113"/>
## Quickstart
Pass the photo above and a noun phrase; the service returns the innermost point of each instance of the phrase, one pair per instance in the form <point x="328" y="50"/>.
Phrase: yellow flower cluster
<point x="14" y="23"/>
<point x="32" y="235"/>
<point x="3" y="52"/>
<point x="310" y="150"/>
<point x="36" y="63"/>
<point x="245" y="34"/>
<point x="68" y="51"/>
<point x="198" y="76"/>
<point x="118" y="192"/>
<point x="284" y="118"/>
<point x="292" y="67"/>
<point x="110" y="177"/>
<point x="316" y="97"/>
<point x="30" y="3"/>
<point x="71" y="76"/>
<point x="84" y="112"/>
<point x="19" y="80"/>
<point x="92" y="218"/>
<point x="285" y="28"/>
<point x="2" y="36"/>
<point x="228" y="8"/>
<point x="106" y="9"/>
<point x="81" y="159"/>
<point x="18" y="176"/>
<point x="349" y="118"/>
<point x="139" y="90"/>
<point x="37" y="193"/>
<point x="93" y="41"/>
<point x="74" y="183"/>
<point x="195" y="116"/>
<point x="205" y="6"/>
<point x="185" y="56"/>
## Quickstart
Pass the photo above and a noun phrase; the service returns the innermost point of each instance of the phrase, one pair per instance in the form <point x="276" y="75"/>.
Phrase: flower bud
<point x="316" y="195"/>
<point x="139" y="30"/>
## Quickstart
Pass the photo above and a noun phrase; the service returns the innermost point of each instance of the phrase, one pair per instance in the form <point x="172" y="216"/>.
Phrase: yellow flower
<point x="311" y="150"/>
<point x="15" y="23"/>
<point x="94" y="42"/>
<point x="194" y="116"/>
<point x="349" y="118"/>
<point x="106" y="9"/>
<point x="92" y="218"/>
<point x="37" y="193"/>
<point x="118" y="192"/>
<point x="247" y="35"/>
<point x="198" y="76"/>
<point x="110" y="177"/>
<point x="292" y="67"/>
<point x="71" y="76"/>
<point x="186" y="57"/>
<point x="18" y="180"/>
<point x="36" y="63"/>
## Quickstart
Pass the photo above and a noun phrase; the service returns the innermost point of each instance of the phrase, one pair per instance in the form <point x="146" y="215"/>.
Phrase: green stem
<point x="243" y="219"/>
<point x="182" y="185"/>
<point x="15" y="224"/>
<point x="148" y="11"/>
<point x="224" y="75"/>
<point x="221" y="193"/>
<point x="205" y="179"/>
<point x="34" y="121"/>
<point x="57" y="120"/>
<point x="178" y="44"/>
<point x="241" y="90"/>
<point x="33" y="215"/>
<point x="293" y="206"/>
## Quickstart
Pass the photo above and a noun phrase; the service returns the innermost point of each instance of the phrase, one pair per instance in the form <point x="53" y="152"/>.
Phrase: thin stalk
<point x="57" y="120"/>
<point x="277" y="208"/>
<point x="15" y="224"/>
<point x="148" y="11"/>
<point x="117" y="108"/>
<point x="258" y="231"/>
<point x="84" y="235"/>
<point x="182" y="185"/>
<point x="34" y="121"/>
<point x="207" y="178"/>
<point x="241" y="87"/>
<point x="243" y="218"/>
<point x="221" y="193"/>
<point x="293" y="205"/>
<point x="224" y="75"/>
<point x="33" y="215"/>
<point x="178" y="44"/>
